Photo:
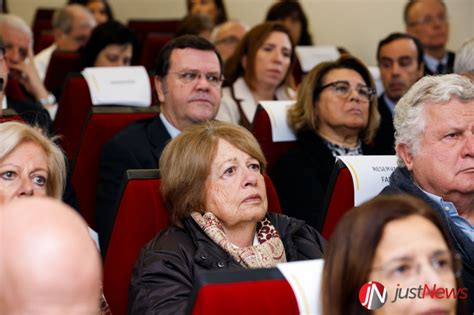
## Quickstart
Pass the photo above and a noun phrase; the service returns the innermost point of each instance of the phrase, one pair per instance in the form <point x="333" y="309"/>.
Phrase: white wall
<point x="357" y="25"/>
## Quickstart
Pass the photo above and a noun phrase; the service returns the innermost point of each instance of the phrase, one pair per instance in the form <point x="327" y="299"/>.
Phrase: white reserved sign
<point x="128" y="86"/>
<point x="277" y="110"/>
<point x="305" y="278"/>
<point x="370" y="174"/>
<point x="311" y="56"/>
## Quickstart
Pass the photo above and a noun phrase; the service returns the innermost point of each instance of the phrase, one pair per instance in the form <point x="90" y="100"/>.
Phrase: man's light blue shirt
<point x="172" y="130"/>
<point x="432" y="63"/>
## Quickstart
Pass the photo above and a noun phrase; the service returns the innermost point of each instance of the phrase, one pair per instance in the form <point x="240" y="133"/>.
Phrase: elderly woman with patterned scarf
<point x="212" y="183"/>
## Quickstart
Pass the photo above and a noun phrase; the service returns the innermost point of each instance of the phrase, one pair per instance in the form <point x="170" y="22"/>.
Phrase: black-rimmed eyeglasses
<point x="343" y="89"/>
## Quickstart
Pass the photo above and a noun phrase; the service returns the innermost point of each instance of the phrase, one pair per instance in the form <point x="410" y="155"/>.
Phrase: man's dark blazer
<point x="137" y="146"/>
<point x="384" y="140"/>
<point x="448" y="69"/>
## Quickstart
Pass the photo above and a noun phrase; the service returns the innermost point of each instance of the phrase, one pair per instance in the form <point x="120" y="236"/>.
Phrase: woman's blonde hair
<point x="13" y="134"/>
<point x="186" y="161"/>
<point x="304" y="114"/>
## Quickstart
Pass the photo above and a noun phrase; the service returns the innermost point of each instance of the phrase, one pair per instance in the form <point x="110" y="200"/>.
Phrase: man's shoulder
<point x="136" y="131"/>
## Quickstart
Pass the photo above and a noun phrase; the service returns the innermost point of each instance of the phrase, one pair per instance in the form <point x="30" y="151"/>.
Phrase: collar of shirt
<point x="389" y="103"/>
<point x="432" y="63"/>
<point x="172" y="130"/>
<point x="453" y="214"/>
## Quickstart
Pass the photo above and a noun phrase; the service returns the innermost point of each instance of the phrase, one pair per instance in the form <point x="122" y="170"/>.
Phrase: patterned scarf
<point x="268" y="253"/>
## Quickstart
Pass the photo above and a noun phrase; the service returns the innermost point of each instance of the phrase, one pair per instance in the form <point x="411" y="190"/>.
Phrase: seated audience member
<point x="259" y="70"/>
<point x="49" y="264"/>
<point x="220" y="223"/>
<point x="18" y="40"/>
<point x="335" y="114"/>
<point x="399" y="242"/>
<point x="111" y="45"/>
<point x="291" y="14"/>
<point x="31" y="165"/>
<point x="195" y="24"/>
<point x="227" y="36"/>
<point x="31" y="113"/>
<point x="188" y="82"/>
<point x="428" y="21"/>
<point x="434" y="142"/>
<point x="464" y="63"/>
<point x="100" y="9"/>
<point x="400" y="59"/>
<point x="72" y="27"/>
<point x="214" y="9"/>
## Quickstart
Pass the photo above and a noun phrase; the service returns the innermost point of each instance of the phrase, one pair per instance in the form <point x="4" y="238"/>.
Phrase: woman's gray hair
<point x="409" y="118"/>
<point x="15" y="22"/>
<point x="464" y="62"/>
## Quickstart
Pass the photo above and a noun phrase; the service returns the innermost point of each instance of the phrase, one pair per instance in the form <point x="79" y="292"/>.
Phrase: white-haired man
<point x="464" y="63"/>
<point x="434" y="139"/>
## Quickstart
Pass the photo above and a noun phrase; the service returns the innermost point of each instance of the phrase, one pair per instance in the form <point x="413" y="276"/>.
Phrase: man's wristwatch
<point x="49" y="100"/>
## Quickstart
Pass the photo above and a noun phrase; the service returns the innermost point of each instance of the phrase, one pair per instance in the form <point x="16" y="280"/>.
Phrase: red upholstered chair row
<point x="60" y="66"/>
<point x="45" y="39"/>
<point x="141" y="215"/>
<point x="262" y="130"/>
<point x="263" y="291"/>
<point x="41" y="23"/>
<point x="151" y="47"/>
<point x="102" y="124"/>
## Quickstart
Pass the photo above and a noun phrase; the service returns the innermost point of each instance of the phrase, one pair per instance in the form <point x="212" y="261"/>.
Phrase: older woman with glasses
<point x="399" y="242"/>
<point x="335" y="114"/>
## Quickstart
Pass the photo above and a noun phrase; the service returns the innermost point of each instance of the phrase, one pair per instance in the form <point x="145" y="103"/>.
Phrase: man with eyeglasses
<point x="400" y="60"/>
<point x="72" y="27"/>
<point x="188" y="79"/>
<point x="427" y="20"/>
<point x="434" y="123"/>
<point x="227" y="36"/>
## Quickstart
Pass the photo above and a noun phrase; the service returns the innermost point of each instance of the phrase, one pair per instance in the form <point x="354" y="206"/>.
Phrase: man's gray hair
<point x="63" y="18"/>
<point x="15" y="22"/>
<point x="464" y="62"/>
<point x="409" y="119"/>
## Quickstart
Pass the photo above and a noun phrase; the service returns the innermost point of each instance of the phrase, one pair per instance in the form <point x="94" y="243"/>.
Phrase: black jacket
<point x="301" y="177"/>
<point x="401" y="182"/>
<point x="137" y="146"/>
<point x="449" y="67"/>
<point x="163" y="276"/>
<point x="385" y="139"/>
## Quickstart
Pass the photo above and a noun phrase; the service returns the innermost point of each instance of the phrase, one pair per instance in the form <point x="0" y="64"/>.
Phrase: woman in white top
<point x="258" y="71"/>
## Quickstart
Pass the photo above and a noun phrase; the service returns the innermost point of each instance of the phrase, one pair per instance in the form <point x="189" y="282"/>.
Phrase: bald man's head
<point x="49" y="264"/>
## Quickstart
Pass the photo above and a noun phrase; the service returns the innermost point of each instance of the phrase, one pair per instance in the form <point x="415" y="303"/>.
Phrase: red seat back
<point x="13" y="90"/>
<point x="42" y="22"/>
<point x="141" y="215"/>
<point x="262" y="130"/>
<point x="10" y="114"/>
<point x="151" y="47"/>
<point x="263" y="291"/>
<point x="61" y="64"/>
<point x="339" y="197"/>
<point x="103" y="123"/>
<point x="273" y="201"/>
<point x="73" y="109"/>
<point x="45" y="39"/>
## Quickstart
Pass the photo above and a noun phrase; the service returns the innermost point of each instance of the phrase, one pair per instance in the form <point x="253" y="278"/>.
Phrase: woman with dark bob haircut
<point x="399" y="242"/>
<point x="214" y="9"/>
<point x="259" y="70"/>
<point x="111" y="45"/>
<point x="335" y="114"/>
<point x="212" y="183"/>
<point x="291" y="14"/>
<point x="100" y="9"/>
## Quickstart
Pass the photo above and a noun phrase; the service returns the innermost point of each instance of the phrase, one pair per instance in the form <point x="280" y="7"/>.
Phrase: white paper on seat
<point x="304" y="278"/>
<point x="370" y="174"/>
<point x="277" y="110"/>
<point x="128" y="86"/>
<point x="310" y="56"/>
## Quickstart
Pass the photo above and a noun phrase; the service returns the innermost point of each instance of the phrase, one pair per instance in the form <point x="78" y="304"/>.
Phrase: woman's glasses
<point x="343" y="89"/>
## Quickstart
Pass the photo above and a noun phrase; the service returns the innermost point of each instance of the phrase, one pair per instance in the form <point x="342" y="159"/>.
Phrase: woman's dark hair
<point x="350" y="251"/>
<point x="221" y="11"/>
<point x="108" y="33"/>
<point x="194" y="24"/>
<point x="284" y="9"/>
<point x="108" y="9"/>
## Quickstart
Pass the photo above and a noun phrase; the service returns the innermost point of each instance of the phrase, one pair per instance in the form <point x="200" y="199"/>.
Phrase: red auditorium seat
<point x="339" y="197"/>
<point x="73" y="109"/>
<point x="151" y="47"/>
<point x="262" y="130"/>
<point x="45" y="39"/>
<point x="41" y="23"/>
<point x="263" y="291"/>
<point x="13" y="90"/>
<point x="102" y="124"/>
<point x="61" y="64"/>
<point x="141" y="215"/>
<point x="9" y="114"/>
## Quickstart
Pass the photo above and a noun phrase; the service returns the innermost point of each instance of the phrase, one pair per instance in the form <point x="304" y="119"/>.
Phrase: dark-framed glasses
<point x="344" y="89"/>
<point x="190" y="76"/>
